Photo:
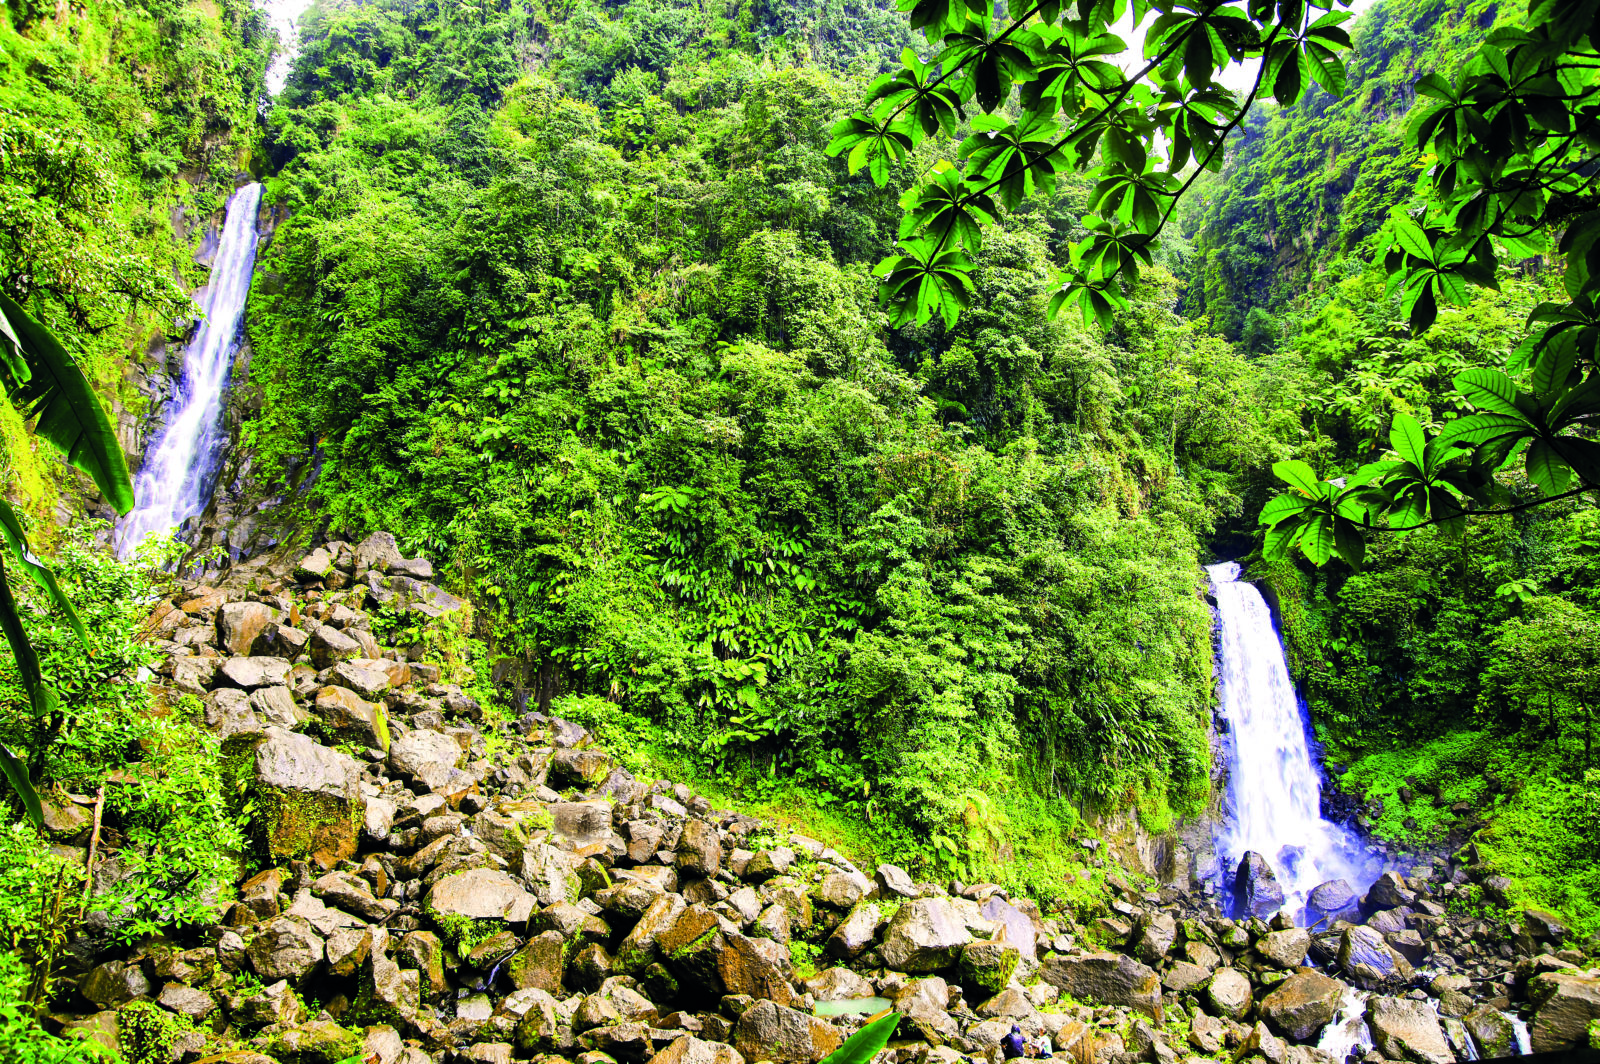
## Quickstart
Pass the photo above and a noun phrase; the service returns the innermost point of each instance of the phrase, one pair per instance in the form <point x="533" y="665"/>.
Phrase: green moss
<point x="462" y="933"/>
<point x="147" y="1033"/>
<point x="293" y="825"/>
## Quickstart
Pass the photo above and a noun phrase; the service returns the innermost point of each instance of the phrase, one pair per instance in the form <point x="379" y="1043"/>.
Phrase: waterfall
<point x="181" y="464"/>
<point x="1274" y="789"/>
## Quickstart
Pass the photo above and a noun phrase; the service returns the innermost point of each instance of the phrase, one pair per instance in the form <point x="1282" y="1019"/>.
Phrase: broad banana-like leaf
<point x="17" y="540"/>
<point x="69" y="415"/>
<point x="866" y="1043"/>
<point x="17" y="773"/>
<point x="21" y="649"/>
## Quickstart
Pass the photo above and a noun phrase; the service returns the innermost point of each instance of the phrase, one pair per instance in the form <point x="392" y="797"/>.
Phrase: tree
<point x="46" y="384"/>
<point x="1516" y="142"/>
<point x="1052" y="101"/>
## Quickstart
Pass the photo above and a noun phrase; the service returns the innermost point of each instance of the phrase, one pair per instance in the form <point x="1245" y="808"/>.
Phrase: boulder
<point x="540" y="964"/>
<point x="229" y="713"/>
<point x="186" y="1001"/>
<point x="1330" y="901"/>
<point x="924" y="1003"/>
<point x="855" y="932"/>
<point x="699" y="850"/>
<point x="480" y="894"/>
<point x="1155" y="935"/>
<point x="584" y="823"/>
<point x="285" y="948"/>
<point x="579" y="768"/>
<point x="1491" y="1031"/>
<point x="1302" y="1004"/>
<point x="1284" y="949"/>
<point x="250" y="673"/>
<point x="329" y="646"/>
<point x="925" y="935"/>
<point x="308" y="801"/>
<point x="839" y="984"/>
<point x="276" y="1004"/>
<point x="638" y="950"/>
<point x="368" y="683"/>
<point x="986" y="967"/>
<point x="1106" y="979"/>
<point x="1228" y="994"/>
<point x="1403" y="1029"/>
<point x="1369" y="961"/>
<point x="274" y="706"/>
<point x="1388" y="892"/>
<point x="239" y="623"/>
<point x="279" y="640"/>
<point x="1255" y="888"/>
<point x="115" y="983"/>
<point x="425" y="756"/>
<point x="841" y="890"/>
<point x="767" y="1031"/>
<point x="348" y="715"/>
<point x="754" y="966"/>
<point x="1019" y="929"/>
<point x="1566" y="1005"/>
<point x="894" y="882"/>
<point x="687" y="1049"/>
<point x="314" y="566"/>
<point x="378" y="551"/>
<point x="1544" y="927"/>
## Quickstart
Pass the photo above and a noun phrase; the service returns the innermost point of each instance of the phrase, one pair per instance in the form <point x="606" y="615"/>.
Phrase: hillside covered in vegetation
<point x="574" y="300"/>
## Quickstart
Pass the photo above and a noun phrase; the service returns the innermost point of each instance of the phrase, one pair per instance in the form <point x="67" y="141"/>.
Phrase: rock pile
<point x="445" y="890"/>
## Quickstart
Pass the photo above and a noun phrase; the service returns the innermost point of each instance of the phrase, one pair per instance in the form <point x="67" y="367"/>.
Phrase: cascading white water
<point x="1274" y="788"/>
<point x="181" y="464"/>
<point x="285" y="18"/>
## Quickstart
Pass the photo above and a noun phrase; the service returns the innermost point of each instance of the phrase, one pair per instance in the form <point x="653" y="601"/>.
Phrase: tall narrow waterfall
<point x="180" y="466"/>
<point x="1274" y="787"/>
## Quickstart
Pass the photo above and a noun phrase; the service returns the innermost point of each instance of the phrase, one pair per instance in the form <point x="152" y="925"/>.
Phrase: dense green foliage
<point x="640" y="395"/>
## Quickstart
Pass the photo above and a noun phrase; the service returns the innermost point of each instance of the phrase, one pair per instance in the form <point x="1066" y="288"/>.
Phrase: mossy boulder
<point x="317" y="1042"/>
<point x="986" y="967"/>
<point x="308" y="801"/>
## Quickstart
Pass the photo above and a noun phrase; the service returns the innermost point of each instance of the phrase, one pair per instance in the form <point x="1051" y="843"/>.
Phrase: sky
<point x="1238" y="77"/>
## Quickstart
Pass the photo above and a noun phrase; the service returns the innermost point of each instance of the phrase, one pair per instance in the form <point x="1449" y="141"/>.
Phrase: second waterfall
<point x="1274" y="788"/>
<point x="181" y="463"/>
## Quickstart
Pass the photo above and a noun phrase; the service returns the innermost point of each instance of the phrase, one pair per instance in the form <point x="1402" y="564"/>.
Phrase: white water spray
<point x="181" y="465"/>
<point x="1273" y="786"/>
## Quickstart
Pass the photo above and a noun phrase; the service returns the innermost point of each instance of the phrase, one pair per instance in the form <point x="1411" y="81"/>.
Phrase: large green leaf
<point x="1488" y="389"/>
<point x="1408" y="440"/>
<point x="17" y="541"/>
<point x="1298" y="475"/>
<point x="866" y="1043"/>
<point x="40" y="695"/>
<point x="17" y="773"/>
<point x="68" y="414"/>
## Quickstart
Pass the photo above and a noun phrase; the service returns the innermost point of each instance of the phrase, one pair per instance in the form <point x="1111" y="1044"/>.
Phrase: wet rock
<point x="1302" y="1004"/>
<point x="757" y="967"/>
<point x="540" y="964"/>
<point x="638" y="950"/>
<point x="1369" y="961"/>
<point x="1255" y="888"/>
<point x="316" y="1040"/>
<point x="1284" y="949"/>
<point x="771" y="1032"/>
<point x="925" y="935"/>
<point x="1106" y="979"/>
<point x="1491" y="1032"/>
<point x="1228" y="994"/>
<point x="1403" y="1029"/>
<point x="1183" y="976"/>
<point x="1566" y="1005"/>
<point x="839" y="984"/>
<point x="1388" y="892"/>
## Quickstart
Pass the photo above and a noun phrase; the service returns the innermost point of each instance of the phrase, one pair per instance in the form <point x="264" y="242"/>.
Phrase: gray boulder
<point x="767" y="1031"/>
<point x="1330" y="901"/>
<point x="1566" y="1005"/>
<point x="1106" y="979"/>
<point x="285" y="948"/>
<point x="1302" y="1004"/>
<point x="1228" y="994"/>
<point x="481" y="894"/>
<point x="1403" y="1029"/>
<point x="425" y="756"/>
<point x="309" y="802"/>
<point x="1255" y="888"/>
<point x="925" y="935"/>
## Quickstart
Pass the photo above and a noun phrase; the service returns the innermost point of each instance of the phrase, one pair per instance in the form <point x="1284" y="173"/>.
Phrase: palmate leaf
<point x="68" y="415"/>
<point x="926" y="280"/>
<point x="945" y="209"/>
<point x="16" y="541"/>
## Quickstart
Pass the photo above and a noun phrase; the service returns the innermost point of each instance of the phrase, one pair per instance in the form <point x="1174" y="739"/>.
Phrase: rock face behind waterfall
<point x="1255" y="887"/>
<point x="492" y="890"/>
